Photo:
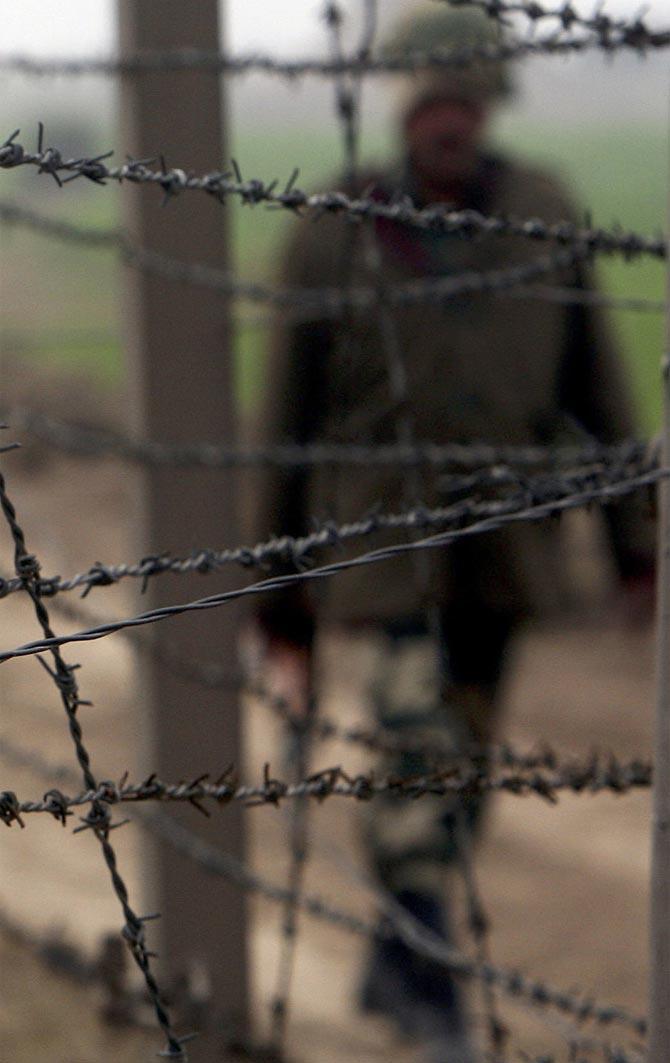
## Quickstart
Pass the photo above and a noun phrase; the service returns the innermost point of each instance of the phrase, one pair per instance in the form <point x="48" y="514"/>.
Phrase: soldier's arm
<point x="290" y="412"/>
<point x="596" y="392"/>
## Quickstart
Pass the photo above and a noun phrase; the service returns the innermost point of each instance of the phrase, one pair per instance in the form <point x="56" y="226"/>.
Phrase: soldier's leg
<point x="441" y="694"/>
<point x="406" y="838"/>
<point x="440" y="691"/>
<point x="476" y="647"/>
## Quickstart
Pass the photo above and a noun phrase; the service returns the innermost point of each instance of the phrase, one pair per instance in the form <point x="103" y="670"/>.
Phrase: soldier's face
<point x="443" y="137"/>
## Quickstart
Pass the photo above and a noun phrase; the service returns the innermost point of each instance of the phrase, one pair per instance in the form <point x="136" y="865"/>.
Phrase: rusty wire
<point x="536" y="511"/>
<point x="595" y="775"/>
<point x="436" y="218"/>
<point x="98" y="818"/>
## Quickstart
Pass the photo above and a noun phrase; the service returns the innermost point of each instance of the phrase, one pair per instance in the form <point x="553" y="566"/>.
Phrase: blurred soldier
<point x="478" y="368"/>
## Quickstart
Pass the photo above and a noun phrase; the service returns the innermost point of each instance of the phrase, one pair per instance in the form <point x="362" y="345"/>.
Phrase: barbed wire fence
<point x="528" y="483"/>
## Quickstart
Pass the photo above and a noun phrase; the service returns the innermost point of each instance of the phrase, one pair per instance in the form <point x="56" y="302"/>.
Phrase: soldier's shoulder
<point x="313" y="242"/>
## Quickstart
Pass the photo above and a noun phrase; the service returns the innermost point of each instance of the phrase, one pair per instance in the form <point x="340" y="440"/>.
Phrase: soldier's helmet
<point x="479" y="74"/>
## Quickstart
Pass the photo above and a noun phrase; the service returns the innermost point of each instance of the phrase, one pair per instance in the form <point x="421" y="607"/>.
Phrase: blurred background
<point x="599" y="121"/>
<point x="565" y="887"/>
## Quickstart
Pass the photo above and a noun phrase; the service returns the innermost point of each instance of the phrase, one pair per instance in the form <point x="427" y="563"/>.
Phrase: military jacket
<point x="487" y="367"/>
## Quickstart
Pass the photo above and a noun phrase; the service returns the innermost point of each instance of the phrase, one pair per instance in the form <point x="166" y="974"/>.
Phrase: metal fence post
<point x="179" y="362"/>
<point x="659" y="1002"/>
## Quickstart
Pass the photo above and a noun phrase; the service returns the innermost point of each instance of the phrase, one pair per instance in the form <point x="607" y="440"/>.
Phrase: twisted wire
<point x="413" y="933"/>
<point x="607" y="35"/>
<point x="600" y="32"/>
<point x="304" y="304"/>
<point x="540" y="511"/>
<point x="504" y="759"/>
<point x="315" y="725"/>
<point x="436" y="218"/>
<point x="595" y="775"/>
<point x="98" y="816"/>
<point x="91" y="442"/>
<point x="417" y="937"/>
<point x="411" y="742"/>
<point x="298" y="551"/>
<point x="599" y="23"/>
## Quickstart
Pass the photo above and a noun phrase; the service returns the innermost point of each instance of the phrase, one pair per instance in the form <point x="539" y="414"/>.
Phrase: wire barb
<point x="57" y="804"/>
<point x="541" y="510"/>
<point x="435" y="218"/>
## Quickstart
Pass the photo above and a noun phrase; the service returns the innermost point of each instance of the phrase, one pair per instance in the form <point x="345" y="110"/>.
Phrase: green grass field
<point x="61" y="304"/>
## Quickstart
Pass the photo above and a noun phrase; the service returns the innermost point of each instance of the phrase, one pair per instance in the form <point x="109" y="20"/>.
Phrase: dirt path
<point x="565" y="886"/>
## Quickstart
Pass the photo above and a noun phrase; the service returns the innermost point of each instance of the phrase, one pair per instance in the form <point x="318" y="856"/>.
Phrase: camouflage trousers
<point x="442" y="686"/>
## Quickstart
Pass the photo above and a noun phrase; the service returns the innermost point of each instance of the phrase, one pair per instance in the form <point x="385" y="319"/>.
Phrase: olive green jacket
<point x="482" y="367"/>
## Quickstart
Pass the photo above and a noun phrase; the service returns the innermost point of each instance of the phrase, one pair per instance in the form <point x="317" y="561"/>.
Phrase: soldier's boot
<point x="419" y="995"/>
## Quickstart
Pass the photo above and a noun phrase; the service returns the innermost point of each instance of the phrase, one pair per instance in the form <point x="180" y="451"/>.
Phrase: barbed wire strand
<point x="596" y="775"/>
<point x="439" y="755"/>
<point x="299" y="848"/>
<point x="414" y="934"/>
<point x="98" y="818"/>
<point x="224" y="863"/>
<point x="387" y="904"/>
<point x="443" y="759"/>
<point x="298" y="551"/>
<point x="87" y="442"/>
<point x="478" y="923"/>
<point x="502" y="11"/>
<point x="302" y="304"/>
<point x="541" y="511"/>
<point x="520" y="988"/>
<point x="436" y="750"/>
<point x="586" y="297"/>
<point x="406" y="435"/>
<point x="436" y="218"/>
<point x="628" y="35"/>
<point x="605" y="33"/>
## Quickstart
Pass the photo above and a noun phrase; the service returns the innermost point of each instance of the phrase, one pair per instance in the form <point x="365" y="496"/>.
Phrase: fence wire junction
<point x="529" y="484"/>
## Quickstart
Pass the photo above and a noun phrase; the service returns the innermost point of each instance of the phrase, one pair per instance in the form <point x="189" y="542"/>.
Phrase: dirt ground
<point x="565" y="886"/>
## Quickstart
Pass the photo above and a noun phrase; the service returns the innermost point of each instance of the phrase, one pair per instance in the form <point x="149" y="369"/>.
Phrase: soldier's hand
<point x="638" y="601"/>
<point x="287" y="668"/>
